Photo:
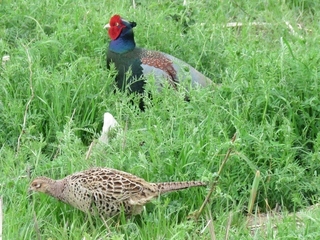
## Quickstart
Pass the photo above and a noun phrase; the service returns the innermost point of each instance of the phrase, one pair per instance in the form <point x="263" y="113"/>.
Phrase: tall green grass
<point x="269" y="96"/>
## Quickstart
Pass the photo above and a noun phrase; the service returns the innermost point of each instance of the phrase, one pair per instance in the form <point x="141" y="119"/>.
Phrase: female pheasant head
<point x="41" y="184"/>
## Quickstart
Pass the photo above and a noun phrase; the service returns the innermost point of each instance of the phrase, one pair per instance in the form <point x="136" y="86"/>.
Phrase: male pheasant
<point x="106" y="191"/>
<point x="134" y="64"/>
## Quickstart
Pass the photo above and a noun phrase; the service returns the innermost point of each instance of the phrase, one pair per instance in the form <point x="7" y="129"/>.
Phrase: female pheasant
<point x="106" y="191"/>
<point x="134" y="64"/>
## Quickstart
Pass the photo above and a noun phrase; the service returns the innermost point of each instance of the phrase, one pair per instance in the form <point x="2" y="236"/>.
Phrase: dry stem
<point x="215" y="181"/>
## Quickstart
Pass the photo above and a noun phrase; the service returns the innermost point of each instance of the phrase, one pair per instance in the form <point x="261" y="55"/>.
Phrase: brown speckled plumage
<point x="106" y="191"/>
<point x="158" y="60"/>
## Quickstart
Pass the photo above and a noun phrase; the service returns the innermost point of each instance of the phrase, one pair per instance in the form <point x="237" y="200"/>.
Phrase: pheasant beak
<point x="106" y="26"/>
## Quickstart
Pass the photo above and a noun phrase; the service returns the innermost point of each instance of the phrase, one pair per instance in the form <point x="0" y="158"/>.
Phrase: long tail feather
<point x="174" y="186"/>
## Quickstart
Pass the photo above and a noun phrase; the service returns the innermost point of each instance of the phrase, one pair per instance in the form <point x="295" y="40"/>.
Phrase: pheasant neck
<point x="55" y="189"/>
<point x="122" y="44"/>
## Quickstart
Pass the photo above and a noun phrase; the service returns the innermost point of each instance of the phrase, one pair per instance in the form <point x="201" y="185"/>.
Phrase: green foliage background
<point x="269" y="96"/>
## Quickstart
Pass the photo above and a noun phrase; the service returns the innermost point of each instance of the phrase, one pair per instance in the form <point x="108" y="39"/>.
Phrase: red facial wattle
<point x="116" y="26"/>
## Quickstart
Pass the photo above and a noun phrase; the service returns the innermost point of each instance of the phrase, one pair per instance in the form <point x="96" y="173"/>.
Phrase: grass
<point x="55" y="89"/>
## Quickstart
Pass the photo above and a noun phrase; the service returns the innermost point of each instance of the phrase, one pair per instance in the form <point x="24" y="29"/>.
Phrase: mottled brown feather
<point x="158" y="60"/>
<point x="106" y="191"/>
